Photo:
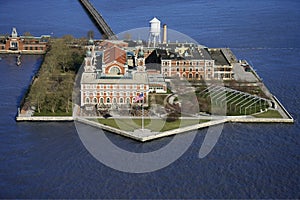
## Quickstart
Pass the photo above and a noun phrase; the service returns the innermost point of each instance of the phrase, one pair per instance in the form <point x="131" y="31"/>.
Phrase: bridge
<point x="99" y="21"/>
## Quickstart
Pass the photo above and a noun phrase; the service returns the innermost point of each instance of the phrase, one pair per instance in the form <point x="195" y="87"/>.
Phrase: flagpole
<point x="143" y="112"/>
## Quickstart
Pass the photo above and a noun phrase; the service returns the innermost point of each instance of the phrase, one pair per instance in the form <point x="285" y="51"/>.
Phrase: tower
<point x="14" y="33"/>
<point x="154" y="35"/>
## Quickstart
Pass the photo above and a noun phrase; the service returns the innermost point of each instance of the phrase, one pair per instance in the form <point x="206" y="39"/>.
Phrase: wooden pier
<point x="103" y="27"/>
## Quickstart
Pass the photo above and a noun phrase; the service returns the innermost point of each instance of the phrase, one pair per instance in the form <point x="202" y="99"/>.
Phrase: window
<point x="114" y="71"/>
<point x="107" y="100"/>
<point x="95" y="100"/>
<point x="101" y="86"/>
<point x="101" y="100"/>
<point x="114" y="100"/>
<point x="107" y="93"/>
<point x="87" y="100"/>
<point x="184" y="69"/>
<point x="177" y="63"/>
<point x="177" y="69"/>
<point x="128" y="100"/>
<point x="190" y="75"/>
<point x="121" y="100"/>
<point x="121" y="94"/>
<point x="128" y="94"/>
<point x="191" y="69"/>
<point x="196" y="69"/>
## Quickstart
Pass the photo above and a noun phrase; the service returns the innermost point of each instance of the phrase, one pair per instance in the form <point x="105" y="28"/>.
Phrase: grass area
<point x="156" y="125"/>
<point x="269" y="114"/>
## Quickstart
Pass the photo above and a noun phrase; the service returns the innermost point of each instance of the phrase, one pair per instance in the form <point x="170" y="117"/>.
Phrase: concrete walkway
<point x="241" y="75"/>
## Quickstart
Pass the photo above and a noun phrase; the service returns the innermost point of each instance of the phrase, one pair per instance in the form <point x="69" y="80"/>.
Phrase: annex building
<point x="28" y="44"/>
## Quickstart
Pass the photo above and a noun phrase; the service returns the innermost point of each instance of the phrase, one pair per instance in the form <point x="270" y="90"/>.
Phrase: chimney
<point x="165" y="34"/>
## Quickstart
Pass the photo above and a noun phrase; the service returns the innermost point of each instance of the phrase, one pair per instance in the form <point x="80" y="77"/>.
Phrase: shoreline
<point x="147" y="135"/>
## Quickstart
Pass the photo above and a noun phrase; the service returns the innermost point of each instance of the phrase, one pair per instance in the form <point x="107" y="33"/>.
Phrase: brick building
<point x="23" y="44"/>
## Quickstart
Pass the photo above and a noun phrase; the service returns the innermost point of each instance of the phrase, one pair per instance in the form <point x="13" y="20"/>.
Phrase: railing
<point x="98" y="19"/>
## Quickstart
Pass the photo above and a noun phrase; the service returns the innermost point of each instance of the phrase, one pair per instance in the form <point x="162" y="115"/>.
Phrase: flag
<point x="139" y="97"/>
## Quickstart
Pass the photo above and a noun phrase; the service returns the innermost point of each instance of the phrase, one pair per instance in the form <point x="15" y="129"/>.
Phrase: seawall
<point x="44" y="118"/>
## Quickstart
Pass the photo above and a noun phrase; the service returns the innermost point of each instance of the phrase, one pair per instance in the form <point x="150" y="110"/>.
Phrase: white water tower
<point x="154" y="35"/>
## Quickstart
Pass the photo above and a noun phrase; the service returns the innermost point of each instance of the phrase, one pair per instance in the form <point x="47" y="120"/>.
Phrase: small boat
<point x="18" y="60"/>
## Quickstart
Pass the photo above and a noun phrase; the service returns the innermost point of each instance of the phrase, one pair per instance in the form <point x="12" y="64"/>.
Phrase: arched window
<point x="107" y="100"/>
<point x="128" y="100"/>
<point x="95" y="100"/>
<point x="121" y="100"/>
<point x="197" y="76"/>
<point x="114" y="71"/>
<point x="190" y="75"/>
<point x="101" y="100"/>
<point x="115" y="100"/>
<point x="87" y="100"/>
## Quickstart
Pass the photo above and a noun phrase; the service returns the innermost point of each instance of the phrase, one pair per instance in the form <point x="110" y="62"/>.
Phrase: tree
<point x="69" y="39"/>
<point x="66" y="87"/>
<point x="27" y="34"/>
<point x="90" y="34"/>
<point x="37" y="94"/>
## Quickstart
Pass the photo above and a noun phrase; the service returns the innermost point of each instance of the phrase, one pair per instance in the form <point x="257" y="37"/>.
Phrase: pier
<point x="102" y="26"/>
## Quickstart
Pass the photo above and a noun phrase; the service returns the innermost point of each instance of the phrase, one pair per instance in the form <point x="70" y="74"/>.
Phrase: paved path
<point x="241" y="75"/>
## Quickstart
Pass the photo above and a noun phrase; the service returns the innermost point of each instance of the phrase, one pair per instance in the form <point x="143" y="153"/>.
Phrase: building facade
<point x="23" y="44"/>
<point x="107" y="81"/>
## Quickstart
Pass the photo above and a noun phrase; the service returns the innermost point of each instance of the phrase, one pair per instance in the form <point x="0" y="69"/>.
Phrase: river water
<point x="48" y="160"/>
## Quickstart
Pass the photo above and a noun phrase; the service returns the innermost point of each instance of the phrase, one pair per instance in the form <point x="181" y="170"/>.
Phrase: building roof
<point x="156" y="78"/>
<point x="114" y="54"/>
<point x="218" y="56"/>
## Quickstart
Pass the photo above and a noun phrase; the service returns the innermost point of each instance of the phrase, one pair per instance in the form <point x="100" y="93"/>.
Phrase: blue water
<point x="48" y="160"/>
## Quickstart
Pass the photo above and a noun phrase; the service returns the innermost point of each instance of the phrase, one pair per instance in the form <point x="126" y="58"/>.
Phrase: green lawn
<point x="156" y="125"/>
<point x="269" y="114"/>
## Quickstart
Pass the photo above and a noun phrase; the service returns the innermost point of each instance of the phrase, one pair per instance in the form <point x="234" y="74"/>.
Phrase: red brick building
<point x="23" y="44"/>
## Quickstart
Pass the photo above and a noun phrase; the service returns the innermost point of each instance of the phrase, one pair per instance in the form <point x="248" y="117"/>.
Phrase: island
<point x="147" y="89"/>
